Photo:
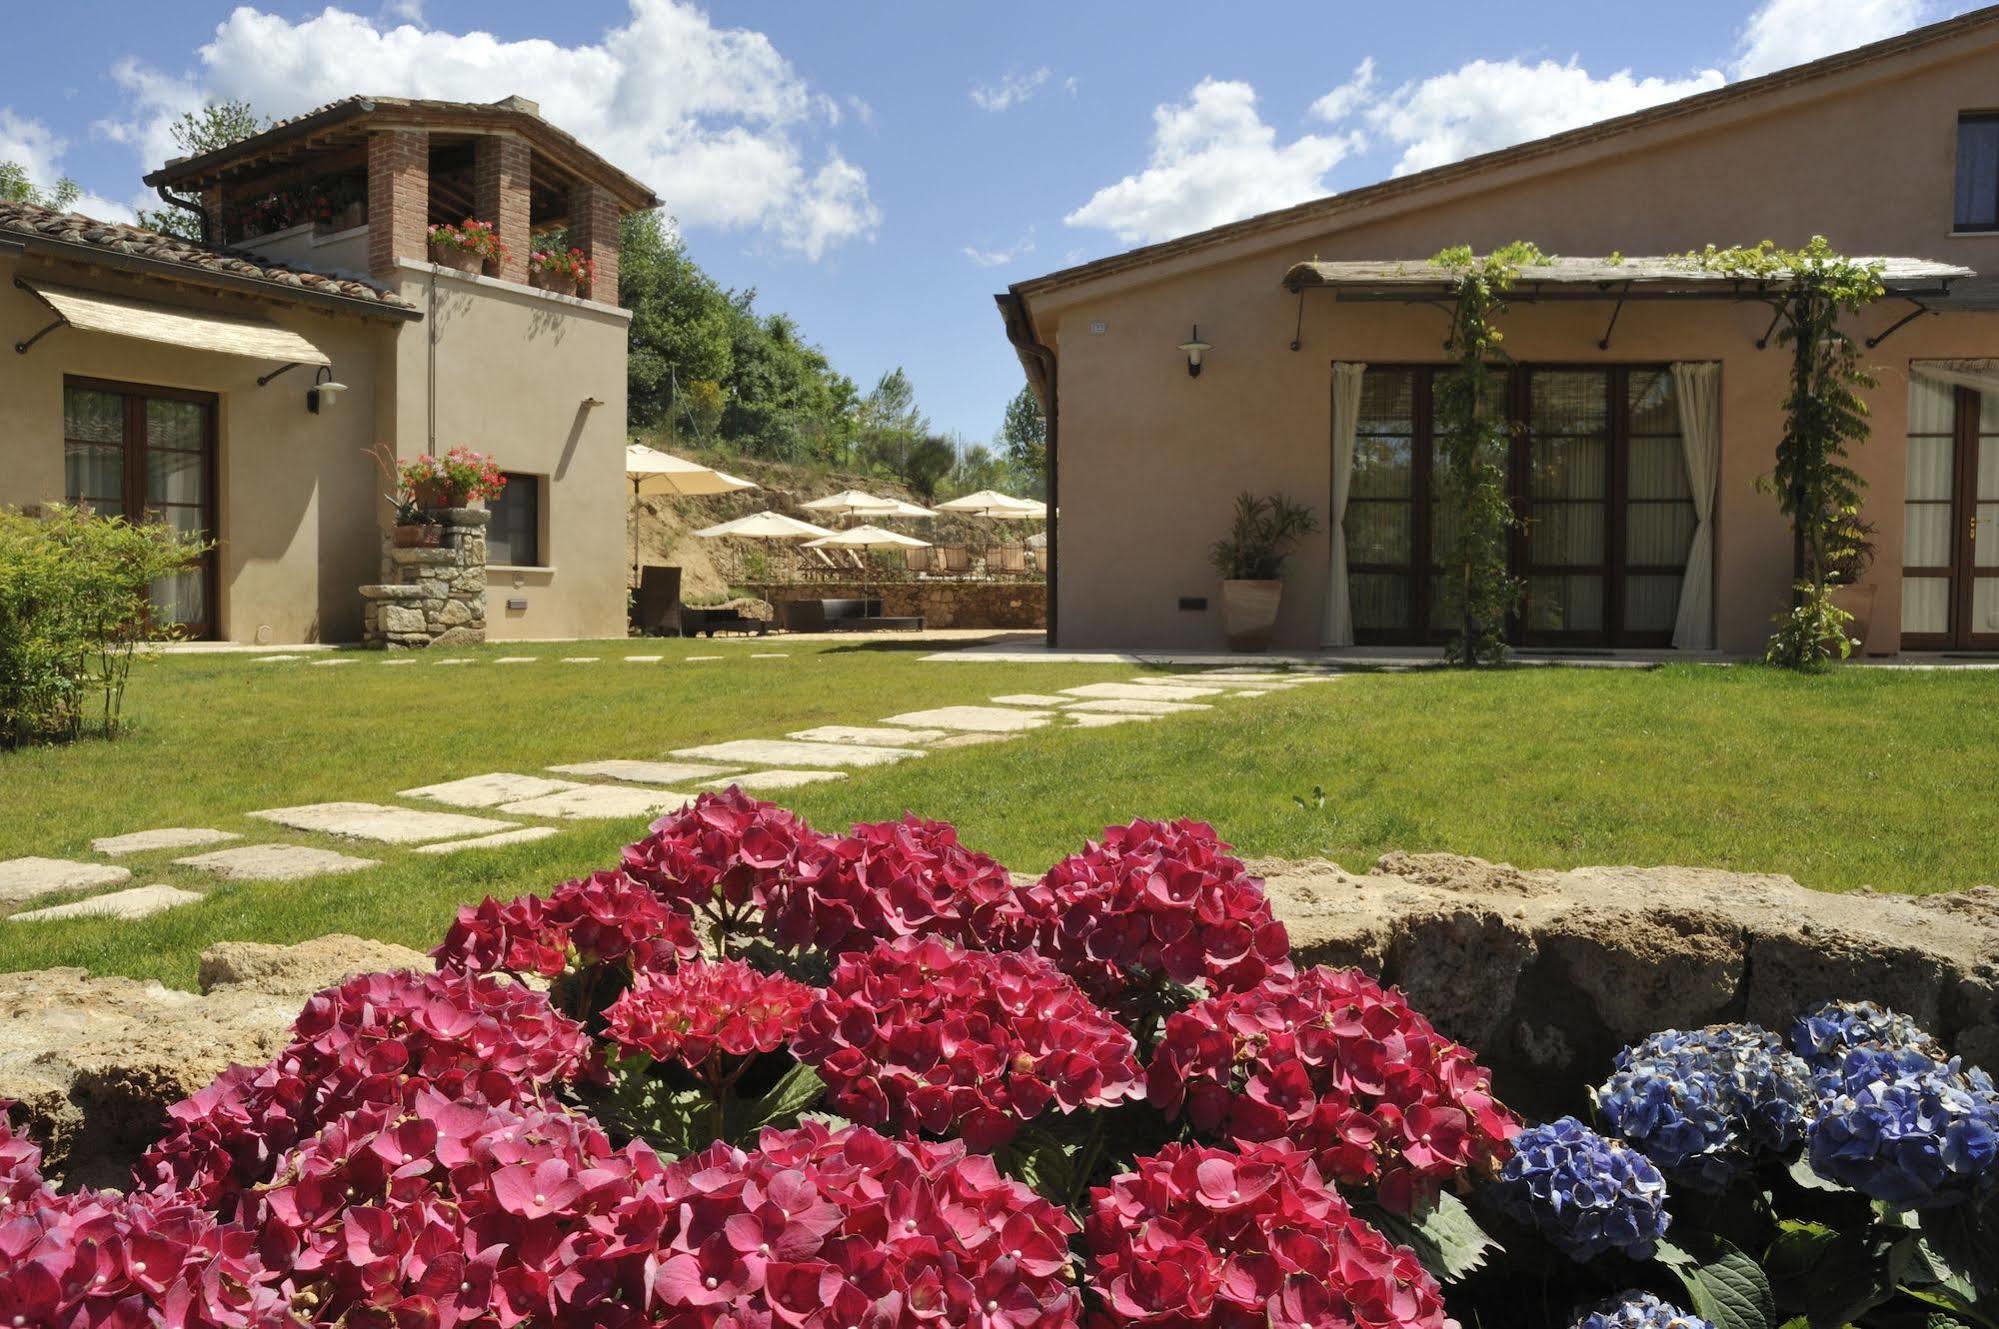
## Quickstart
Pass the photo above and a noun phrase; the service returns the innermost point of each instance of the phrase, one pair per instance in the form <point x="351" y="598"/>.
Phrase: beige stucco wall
<point x="514" y="367"/>
<point x="296" y="491"/>
<point x="1150" y="459"/>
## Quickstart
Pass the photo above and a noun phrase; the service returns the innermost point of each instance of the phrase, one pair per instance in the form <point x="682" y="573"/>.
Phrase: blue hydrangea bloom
<point x="1584" y="1193"/>
<point x="1826" y="1033"/>
<point x="1640" y="1310"/>
<point x="1701" y="1103"/>
<point x="1908" y="1130"/>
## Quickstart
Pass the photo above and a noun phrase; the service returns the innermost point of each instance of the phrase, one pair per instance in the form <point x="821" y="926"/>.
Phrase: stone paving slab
<point x="579" y="659"/>
<point x="488" y="791"/>
<point x="1041" y="700"/>
<point x="398" y="662"/>
<point x="376" y="821"/>
<point x="880" y="736"/>
<point x="973" y="740"/>
<point x="1101" y="720"/>
<point x="517" y="659"/>
<point x="978" y="719"/>
<point x="274" y="862"/>
<point x="643" y="772"/>
<point x="770" y="655"/>
<point x="275" y="659"/>
<point x="1140" y="706"/>
<point x="779" y="752"/>
<point x="1142" y="692"/>
<point x="763" y="780"/>
<point x="441" y="663"/>
<point x="167" y="837"/>
<point x="136" y="902"/>
<point x="1225" y="681"/>
<point x="697" y="659"/>
<point x="522" y="836"/>
<point x="330" y="664"/>
<point x="644" y="659"/>
<point x="598" y="801"/>
<point x="25" y="878"/>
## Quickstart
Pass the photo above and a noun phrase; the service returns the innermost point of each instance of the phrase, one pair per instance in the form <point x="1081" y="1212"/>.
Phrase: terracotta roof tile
<point x="26" y="219"/>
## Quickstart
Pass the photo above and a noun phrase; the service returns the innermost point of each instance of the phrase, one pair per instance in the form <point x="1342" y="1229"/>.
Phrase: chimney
<point x="516" y="102"/>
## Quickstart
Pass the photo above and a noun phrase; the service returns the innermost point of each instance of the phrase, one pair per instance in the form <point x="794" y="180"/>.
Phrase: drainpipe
<point x="1039" y="362"/>
<point x="187" y="205"/>
<point x="430" y="365"/>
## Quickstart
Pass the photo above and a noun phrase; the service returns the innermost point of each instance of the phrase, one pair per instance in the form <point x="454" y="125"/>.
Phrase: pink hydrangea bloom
<point x="707" y="1008"/>
<point x="605" y="918"/>
<point x="893" y="879"/>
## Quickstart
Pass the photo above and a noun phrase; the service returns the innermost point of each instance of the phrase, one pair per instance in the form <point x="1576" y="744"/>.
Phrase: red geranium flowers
<point x="919" y="1036"/>
<point x="1332" y="1061"/>
<point x="1199" y="1237"/>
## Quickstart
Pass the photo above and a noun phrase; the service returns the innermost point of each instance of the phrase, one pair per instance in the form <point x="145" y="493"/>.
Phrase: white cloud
<point x="1213" y="160"/>
<point x="1791" y="32"/>
<point x="1012" y="90"/>
<point x="999" y="258"/>
<point x="38" y="150"/>
<point x="716" y="120"/>
<point x="1489" y="104"/>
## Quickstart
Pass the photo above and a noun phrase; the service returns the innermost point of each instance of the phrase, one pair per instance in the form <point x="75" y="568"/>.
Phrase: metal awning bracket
<point x="1763" y="341"/>
<point x="1298" y="333"/>
<point x="1908" y="318"/>
<point x="281" y="369"/>
<point x="1603" y="342"/>
<point x="23" y="347"/>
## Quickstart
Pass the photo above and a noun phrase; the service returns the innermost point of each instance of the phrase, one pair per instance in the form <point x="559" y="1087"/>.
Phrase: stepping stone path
<point x="973" y="740"/>
<point x="872" y="736"/>
<point x="450" y="662"/>
<point x="137" y="902"/>
<point x="579" y="659"/>
<point x="697" y="659"/>
<point x="274" y="862"/>
<point x="488" y="791"/>
<point x="275" y="659"/>
<point x="1139" y="706"/>
<point x="1102" y="721"/>
<point x="1038" y="699"/>
<point x="776" y="752"/>
<point x="979" y="719"/>
<point x="328" y="664"/>
<point x="598" y="802"/>
<point x="1142" y="692"/>
<point x="524" y="835"/>
<point x="517" y="659"/>
<point x="25" y="878"/>
<point x="770" y="655"/>
<point x="168" y="837"/>
<point x="398" y="662"/>
<point x="762" y="780"/>
<point x="644" y="659"/>
<point x="643" y="772"/>
<point x="374" y="821"/>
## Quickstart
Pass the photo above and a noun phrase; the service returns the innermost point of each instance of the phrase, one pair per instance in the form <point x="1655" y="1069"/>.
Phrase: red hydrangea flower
<point x="1196" y="1238"/>
<point x="723" y="851"/>
<point x="920" y="1036"/>
<point x="364" y="1042"/>
<point x="1335" y="1063"/>
<point x="706" y="1008"/>
<point x="893" y="879"/>
<point x="606" y="918"/>
<point x="1151" y="901"/>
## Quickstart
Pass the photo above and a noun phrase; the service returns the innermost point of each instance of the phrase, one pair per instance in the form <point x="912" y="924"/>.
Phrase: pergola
<point x="1613" y="280"/>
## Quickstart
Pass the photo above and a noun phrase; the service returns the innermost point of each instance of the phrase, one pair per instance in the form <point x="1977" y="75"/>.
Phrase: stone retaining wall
<point x="432" y="595"/>
<point x="943" y="604"/>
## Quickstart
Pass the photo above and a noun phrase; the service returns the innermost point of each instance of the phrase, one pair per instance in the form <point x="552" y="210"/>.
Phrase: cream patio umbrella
<point x="653" y="472"/>
<point x="851" y="503"/>
<point x="769" y="527"/>
<point x="992" y="503"/>
<point x="867" y="537"/>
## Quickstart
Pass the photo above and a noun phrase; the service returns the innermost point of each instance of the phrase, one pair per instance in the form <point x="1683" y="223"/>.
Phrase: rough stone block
<point x="137" y="902"/>
<point x="25" y="878"/>
<point x="376" y="821"/>
<point x="274" y="862"/>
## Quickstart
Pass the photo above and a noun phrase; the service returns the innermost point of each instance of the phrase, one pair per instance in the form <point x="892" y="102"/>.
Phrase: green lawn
<point x="1872" y="777"/>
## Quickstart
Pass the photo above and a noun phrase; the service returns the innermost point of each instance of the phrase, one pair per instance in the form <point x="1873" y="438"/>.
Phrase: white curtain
<point x="1698" y="387"/>
<point x="1346" y="422"/>
<point x="1978" y="375"/>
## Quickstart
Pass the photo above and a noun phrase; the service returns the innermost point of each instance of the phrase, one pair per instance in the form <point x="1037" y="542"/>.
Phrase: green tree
<point x="681" y="320"/>
<point x="1023" y="439"/>
<point x="929" y="459"/>
<point x="16" y="187"/>
<point x="890" y="424"/>
<point x="978" y="467"/>
<point x="214" y="126"/>
<point x="786" y="402"/>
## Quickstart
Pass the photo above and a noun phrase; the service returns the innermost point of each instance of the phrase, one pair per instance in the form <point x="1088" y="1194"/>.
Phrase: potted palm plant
<point x="1251" y="560"/>
<point x="1849" y="554"/>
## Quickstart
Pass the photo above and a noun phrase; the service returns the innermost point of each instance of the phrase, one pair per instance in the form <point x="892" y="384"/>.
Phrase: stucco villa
<point x="190" y="381"/>
<point x="1647" y="400"/>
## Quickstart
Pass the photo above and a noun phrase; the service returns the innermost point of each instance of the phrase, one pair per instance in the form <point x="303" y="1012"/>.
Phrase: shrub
<point x="75" y="610"/>
<point x="1260" y="537"/>
<point x="1584" y="1193"/>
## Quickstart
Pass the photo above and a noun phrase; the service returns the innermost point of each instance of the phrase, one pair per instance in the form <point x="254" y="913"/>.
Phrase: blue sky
<point x="879" y="169"/>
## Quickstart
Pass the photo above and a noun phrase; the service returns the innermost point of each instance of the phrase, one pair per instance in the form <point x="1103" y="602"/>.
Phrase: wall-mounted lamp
<point x="324" y="391"/>
<point x="1194" y="348"/>
<point x="592" y="401"/>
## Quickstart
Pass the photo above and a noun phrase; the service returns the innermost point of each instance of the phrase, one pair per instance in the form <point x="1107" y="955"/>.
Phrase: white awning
<point x="93" y="311"/>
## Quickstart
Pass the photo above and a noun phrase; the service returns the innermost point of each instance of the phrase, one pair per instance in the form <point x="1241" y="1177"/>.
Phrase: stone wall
<point x="431" y="595"/>
<point x="943" y="604"/>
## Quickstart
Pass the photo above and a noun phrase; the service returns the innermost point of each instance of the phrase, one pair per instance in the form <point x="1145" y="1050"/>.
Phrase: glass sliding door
<point x="1658" y="509"/>
<point x="148" y="454"/>
<point x="1950" y="523"/>
<point x="1566" y="505"/>
<point x="1385" y="507"/>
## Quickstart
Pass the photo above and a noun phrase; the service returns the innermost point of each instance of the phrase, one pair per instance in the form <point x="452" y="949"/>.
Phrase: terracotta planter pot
<point x="417" y="537"/>
<point x="438" y="496"/>
<point x="1857" y="600"/>
<point x="1249" y="613"/>
<point x="458" y="260"/>
<point x="561" y="283"/>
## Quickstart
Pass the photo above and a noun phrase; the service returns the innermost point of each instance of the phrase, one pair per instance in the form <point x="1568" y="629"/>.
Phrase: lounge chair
<point x="953" y="559"/>
<point x="708" y="622"/>
<point x="919" y="560"/>
<point x="656" y="610"/>
<point x="1007" y="561"/>
<point x="1041" y="559"/>
<point x="841" y="616"/>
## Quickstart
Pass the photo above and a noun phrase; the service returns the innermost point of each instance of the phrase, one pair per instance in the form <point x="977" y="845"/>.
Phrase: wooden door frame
<point x="1962" y="571"/>
<point x="134" y="397"/>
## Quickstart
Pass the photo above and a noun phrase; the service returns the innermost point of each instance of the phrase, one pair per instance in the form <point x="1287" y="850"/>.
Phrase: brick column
<point x="500" y="193"/>
<point x="593" y="228"/>
<point x="211" y="208"/>
<point x="398" y="198"/>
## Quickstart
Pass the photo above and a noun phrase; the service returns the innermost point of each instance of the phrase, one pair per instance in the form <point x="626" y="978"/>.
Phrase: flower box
<point x="458" y="260"/>
<point x="425" y="536"/>
<point x="559" y="283"/>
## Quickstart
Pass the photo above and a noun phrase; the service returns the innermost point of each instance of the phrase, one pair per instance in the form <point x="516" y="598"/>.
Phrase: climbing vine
<point x="1473" y="433"/>
<point x="1825" y="415"/>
